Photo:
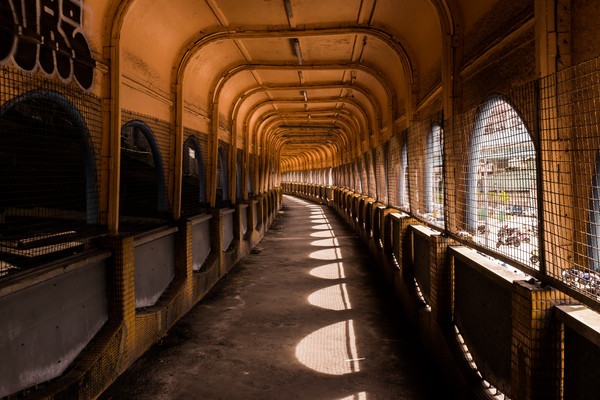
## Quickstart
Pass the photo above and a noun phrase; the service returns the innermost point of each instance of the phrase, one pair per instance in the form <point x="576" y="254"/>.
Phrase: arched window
<point x="238" y="175"/>
<point x="193" y="185"/>
<point x="251" y="174"/>
<point x="142" y="188"/>
<point x="434" y="177"/>
<point x="222" y="185"/>
<point x="501" y="198"/>
<point x="47" y="179"/>
<point x="403" y="181"/>
<point x="593" y="237"/>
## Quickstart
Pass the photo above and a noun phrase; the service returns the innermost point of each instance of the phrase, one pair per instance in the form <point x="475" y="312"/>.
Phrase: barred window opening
<point x="222" y="192"/>
<point x="403" y="184"/>
<point x="48" y="207"/>
<point x="193" y="185"/>
<point x="239" y="175"/>
<point x="142" y="194"/>
<point x="501" y="198"/>
<point x="434" y="182"/>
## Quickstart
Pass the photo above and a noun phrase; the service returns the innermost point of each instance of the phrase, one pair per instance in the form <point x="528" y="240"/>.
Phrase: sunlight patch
<point x="329" y="271"/>
<point x="331" y="242"/>
<point x="321" y="234"/>
<point x="331" y="298"/>
<point x="330" y="350"/>
<point x="322" y="227"/>
<point x="332" y="253"/>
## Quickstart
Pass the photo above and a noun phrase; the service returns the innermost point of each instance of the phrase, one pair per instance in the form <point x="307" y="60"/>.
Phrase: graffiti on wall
<point x="46" y="34"/>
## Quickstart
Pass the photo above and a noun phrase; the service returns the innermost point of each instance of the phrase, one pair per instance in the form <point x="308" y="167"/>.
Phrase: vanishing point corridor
<point x="301" y="317"/>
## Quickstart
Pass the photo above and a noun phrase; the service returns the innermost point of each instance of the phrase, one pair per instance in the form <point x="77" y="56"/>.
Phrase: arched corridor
<point x="146" y="148"/>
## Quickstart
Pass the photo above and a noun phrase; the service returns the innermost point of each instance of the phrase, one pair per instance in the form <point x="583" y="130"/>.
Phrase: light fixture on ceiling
<point x="288" y="8"/>
<point x="310" y="127"/>
<point x="305" y="95"/>
<point x="298" y="136"/>
<point x="298" y="50"/>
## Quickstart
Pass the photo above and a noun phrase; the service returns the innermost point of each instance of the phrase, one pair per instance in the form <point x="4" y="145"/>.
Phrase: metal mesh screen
<point x="569" y="124"/>
<point x="371" y="188"/>
<point x="416" y="139"/>
<point x="222" y="199"/>
<point x="251" y="174"/>
<point x="495" y="194"/>
<point x="193" y="180"/>
<point x="50" y="138"/>
<point x="239" y="176"/>
<point x="142" y="192"/>
<point x="381" y="168"/>
<point x="393" y="166"/>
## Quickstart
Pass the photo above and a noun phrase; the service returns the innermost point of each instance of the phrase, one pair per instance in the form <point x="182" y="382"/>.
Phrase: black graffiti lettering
<point x="53" y="54"/>
<point x="83" y="63"/>
<point x="8" y="27"/>
<point x="26" y="49"/>
<point x="46" y="33"/>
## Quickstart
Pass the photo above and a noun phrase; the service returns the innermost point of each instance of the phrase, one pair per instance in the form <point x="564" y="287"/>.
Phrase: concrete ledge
<point x="32" y="277"/>
<point x="581" y="320"/>
<point x="154" y="234"/>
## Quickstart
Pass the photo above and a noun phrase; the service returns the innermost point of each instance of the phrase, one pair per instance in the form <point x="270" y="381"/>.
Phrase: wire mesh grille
<point x="222" y="198"/>
<point x="380" y="155"/>
<point x="239" y="176"/>
<point x="495" y="199"/>
<point x="251" y="174"/>
<point x="50" y="138"/>
<point x="569" y="125"/>
<point x="193" y="180"/>
<point x="416" y="140"/>
<point x="142" y="190"/>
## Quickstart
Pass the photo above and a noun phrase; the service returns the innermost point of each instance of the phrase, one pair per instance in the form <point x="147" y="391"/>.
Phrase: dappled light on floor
<point x="322" y="227"/>
<point x="331" y="298"/>
<point x="330" y="350"/>
<point x="329" y="271"/>
<point x="332" y="253"/>
<point x="321" y="234"/>
<point x="325" y="242"/>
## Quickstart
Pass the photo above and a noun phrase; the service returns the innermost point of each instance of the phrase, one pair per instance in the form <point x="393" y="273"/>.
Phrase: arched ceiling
<point x="303" y="78"/>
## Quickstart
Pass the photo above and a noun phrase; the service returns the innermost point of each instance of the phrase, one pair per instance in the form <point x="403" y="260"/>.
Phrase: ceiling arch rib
<point x="349" y="102"/>
<point x="261" y="126"/>
<point x="349" y="135"/>
<point x="209" y="36"/>
<point x="343" y="137"/>
<point x="358" y="126"/>
<point x="223" y="78"/>
<point x="272" y="134"/>
<point x="329" y="85"/>
<point x="234" y="118"/>
<point x="362" y="134"/>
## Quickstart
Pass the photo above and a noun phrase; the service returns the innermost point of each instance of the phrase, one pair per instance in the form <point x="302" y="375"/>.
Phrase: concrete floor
<point x="302" y="317"/>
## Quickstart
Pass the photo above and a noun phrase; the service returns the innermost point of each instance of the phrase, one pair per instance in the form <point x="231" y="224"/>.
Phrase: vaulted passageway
<point x="145" y="148"/>
<point x="302" y="317"/>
